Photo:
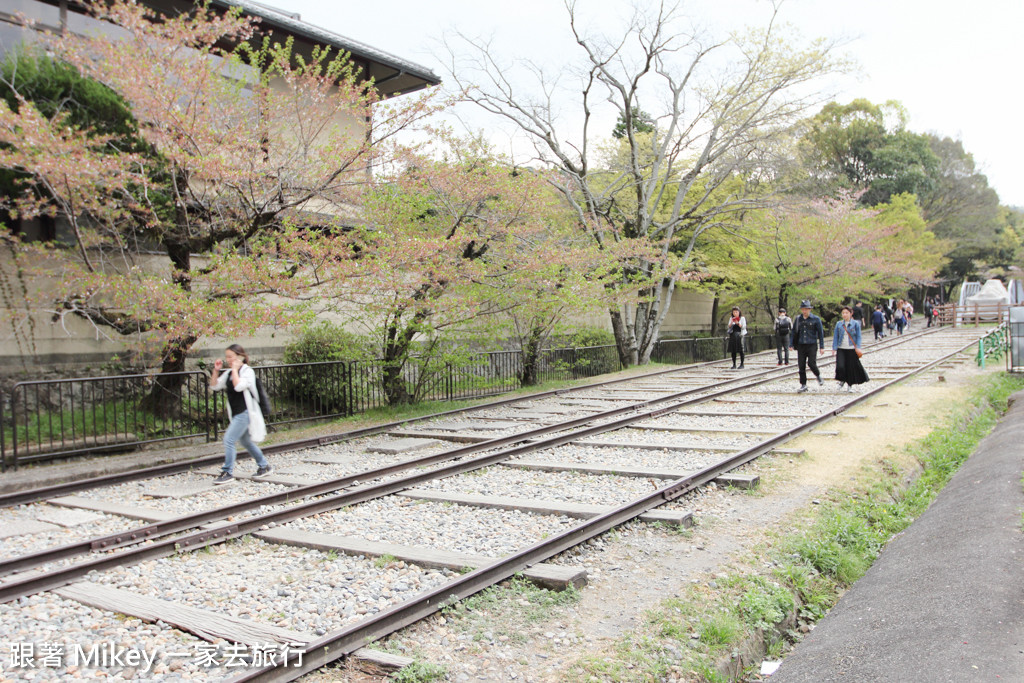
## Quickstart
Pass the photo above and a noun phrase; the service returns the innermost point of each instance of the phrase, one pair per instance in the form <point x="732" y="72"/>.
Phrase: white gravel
<point x="296" y="588"/>
<point x="440" y="526"/>
<point x="14" y="546"/>
<point x="38" y="620"/>
<point x="565" y="486"/>
<point x="677" y="460"/>
<point x="136" y="494"/>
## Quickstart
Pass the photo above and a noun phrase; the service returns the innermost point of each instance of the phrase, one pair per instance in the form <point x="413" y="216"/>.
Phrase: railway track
<point x="600" y="466"/>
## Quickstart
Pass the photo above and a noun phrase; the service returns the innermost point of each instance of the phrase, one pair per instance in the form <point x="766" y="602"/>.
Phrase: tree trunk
<point x="714" y="317"/>
<point x="164" y="399"/>
<point x="625" y="340"/>
<point x="397" y="344"/>
<point x="530" y="376"/>
<point x="783" y="300"/>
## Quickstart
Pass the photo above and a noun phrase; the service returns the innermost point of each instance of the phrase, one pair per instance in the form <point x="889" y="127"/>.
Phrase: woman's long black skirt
<point x="848" y="367"/>
<point x="735" y="343"/>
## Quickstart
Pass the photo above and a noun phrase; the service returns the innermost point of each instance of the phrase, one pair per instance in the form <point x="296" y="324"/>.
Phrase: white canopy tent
<point x="990" y="303"/>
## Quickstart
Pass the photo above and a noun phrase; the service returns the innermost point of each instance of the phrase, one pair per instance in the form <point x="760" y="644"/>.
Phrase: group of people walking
<point x="806" y="335"/>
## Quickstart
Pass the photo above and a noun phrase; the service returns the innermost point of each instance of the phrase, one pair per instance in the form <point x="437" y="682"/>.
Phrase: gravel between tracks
<point x="352" y="587"/>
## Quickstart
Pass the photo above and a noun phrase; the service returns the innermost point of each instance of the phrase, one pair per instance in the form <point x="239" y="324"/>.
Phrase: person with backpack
<point x="897" y="317"/>
<point x="783" y="326"/>
<point x="247" y="424"/>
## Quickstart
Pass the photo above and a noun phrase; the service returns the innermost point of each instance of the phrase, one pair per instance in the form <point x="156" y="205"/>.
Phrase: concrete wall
<point x="31" y="341"/>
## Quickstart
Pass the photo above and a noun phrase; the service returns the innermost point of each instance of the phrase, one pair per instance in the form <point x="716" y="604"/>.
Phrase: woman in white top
<point x="247" y="425"/>
<point x="737" y="330"/>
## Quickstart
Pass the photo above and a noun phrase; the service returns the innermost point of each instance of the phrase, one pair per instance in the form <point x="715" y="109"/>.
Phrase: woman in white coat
<point x="247" y="425"/>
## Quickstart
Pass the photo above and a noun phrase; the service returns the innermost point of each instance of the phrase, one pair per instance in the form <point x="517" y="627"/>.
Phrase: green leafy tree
<point x="865" y="147"/>
<point x="714" y="124"/>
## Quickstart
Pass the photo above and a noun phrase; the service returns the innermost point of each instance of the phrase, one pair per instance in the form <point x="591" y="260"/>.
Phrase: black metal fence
<point x="1015" y="327"/>
<point x="48" y="419"/>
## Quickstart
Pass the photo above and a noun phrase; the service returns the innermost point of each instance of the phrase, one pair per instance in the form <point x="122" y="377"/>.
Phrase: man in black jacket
<point x="808" y="333"/>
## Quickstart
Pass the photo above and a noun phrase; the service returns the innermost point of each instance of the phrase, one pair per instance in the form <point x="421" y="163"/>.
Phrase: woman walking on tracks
<point x="247" y="425"/>
<point x="846" y="342"/>
<point x="737" y="330"/>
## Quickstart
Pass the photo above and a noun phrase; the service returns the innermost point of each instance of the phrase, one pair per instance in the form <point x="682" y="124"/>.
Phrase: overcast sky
<point x="956" y="66"/>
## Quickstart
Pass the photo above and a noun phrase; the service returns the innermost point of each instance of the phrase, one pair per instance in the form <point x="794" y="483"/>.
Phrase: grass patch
<point x="803" y="573"/>
<point x="419" y="672"/>
<point x="505" y="609"/>
<point x="384" y="560"/>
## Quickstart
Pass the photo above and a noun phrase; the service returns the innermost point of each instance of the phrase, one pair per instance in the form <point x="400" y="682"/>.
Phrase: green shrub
<point x="326" y="386"/>
<point x="326" y="341"/>
<point x="590" y="336"/>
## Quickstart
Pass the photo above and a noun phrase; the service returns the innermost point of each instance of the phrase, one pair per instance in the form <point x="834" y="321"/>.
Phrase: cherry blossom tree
<point x="252" y="163"/>
<point x="831" y="249"/>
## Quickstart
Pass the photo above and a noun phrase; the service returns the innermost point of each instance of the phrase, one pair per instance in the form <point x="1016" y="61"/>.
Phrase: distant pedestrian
<point x="887" y="308"/>
<point x="908" y="313"/>
<point x="809" y="341"/>
<point x="878" y="322"/>
<point x="783" y="328"/>
<point x="737" y="330"/>
<point x="846" y="342"/>
<point x="247" y="426"/>
<point x="897" y="317"/>
<point x="929" y="311"/>
<point x="858" y="313"/>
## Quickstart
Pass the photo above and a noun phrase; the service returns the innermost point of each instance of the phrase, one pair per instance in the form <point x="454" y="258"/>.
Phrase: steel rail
<point x="162" y="548"/>
<point x="178" y="524"/>
<point x="345" y="641"/>
<point x="165" y="528"/>
<point x="42" y="493"/>
<point x="162" y="529"/>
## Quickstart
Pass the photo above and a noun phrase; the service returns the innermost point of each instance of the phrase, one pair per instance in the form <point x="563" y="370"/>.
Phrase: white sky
<point x="956" y="66"/>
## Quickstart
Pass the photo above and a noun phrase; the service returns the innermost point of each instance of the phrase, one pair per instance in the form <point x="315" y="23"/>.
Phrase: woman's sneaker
<point x="263" y="471"/>
<point x="224" y="478"/>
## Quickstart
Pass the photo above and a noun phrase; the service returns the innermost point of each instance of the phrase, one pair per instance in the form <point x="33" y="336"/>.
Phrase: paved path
<point x="945" y="600"/>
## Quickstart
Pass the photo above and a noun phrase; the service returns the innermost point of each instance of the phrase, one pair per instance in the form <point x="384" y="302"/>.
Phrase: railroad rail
<point x="324" y="496"/>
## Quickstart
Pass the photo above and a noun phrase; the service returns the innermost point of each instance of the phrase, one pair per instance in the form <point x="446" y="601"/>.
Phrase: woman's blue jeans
<point x="238" y="432"/>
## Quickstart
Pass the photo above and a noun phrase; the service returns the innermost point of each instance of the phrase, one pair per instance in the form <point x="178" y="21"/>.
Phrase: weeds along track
<point x="322" y="568"/>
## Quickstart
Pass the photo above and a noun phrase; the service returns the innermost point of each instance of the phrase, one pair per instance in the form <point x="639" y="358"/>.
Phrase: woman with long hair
<point x="846" y="343"/>
<point x="737" y="330"/>
<point x="243" y="405"/>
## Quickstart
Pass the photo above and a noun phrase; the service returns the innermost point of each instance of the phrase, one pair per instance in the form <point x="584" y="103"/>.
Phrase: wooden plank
<point x="203" y="623"/>
<point x="661" y="446"/>
<point x="619" y="470"/>
<point x="714" y="413"/>
<point x="442" y="436"/>
<point x="387" y="662"/>
<point x="739" y="481"/>
<point x="713" y="430"/>
<point x="544" y="507"/>
<point x="403" y="445"/>
<point x="275" y="477"/>
<point x="547" y="575"/>
<point x="131" y="512"/>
